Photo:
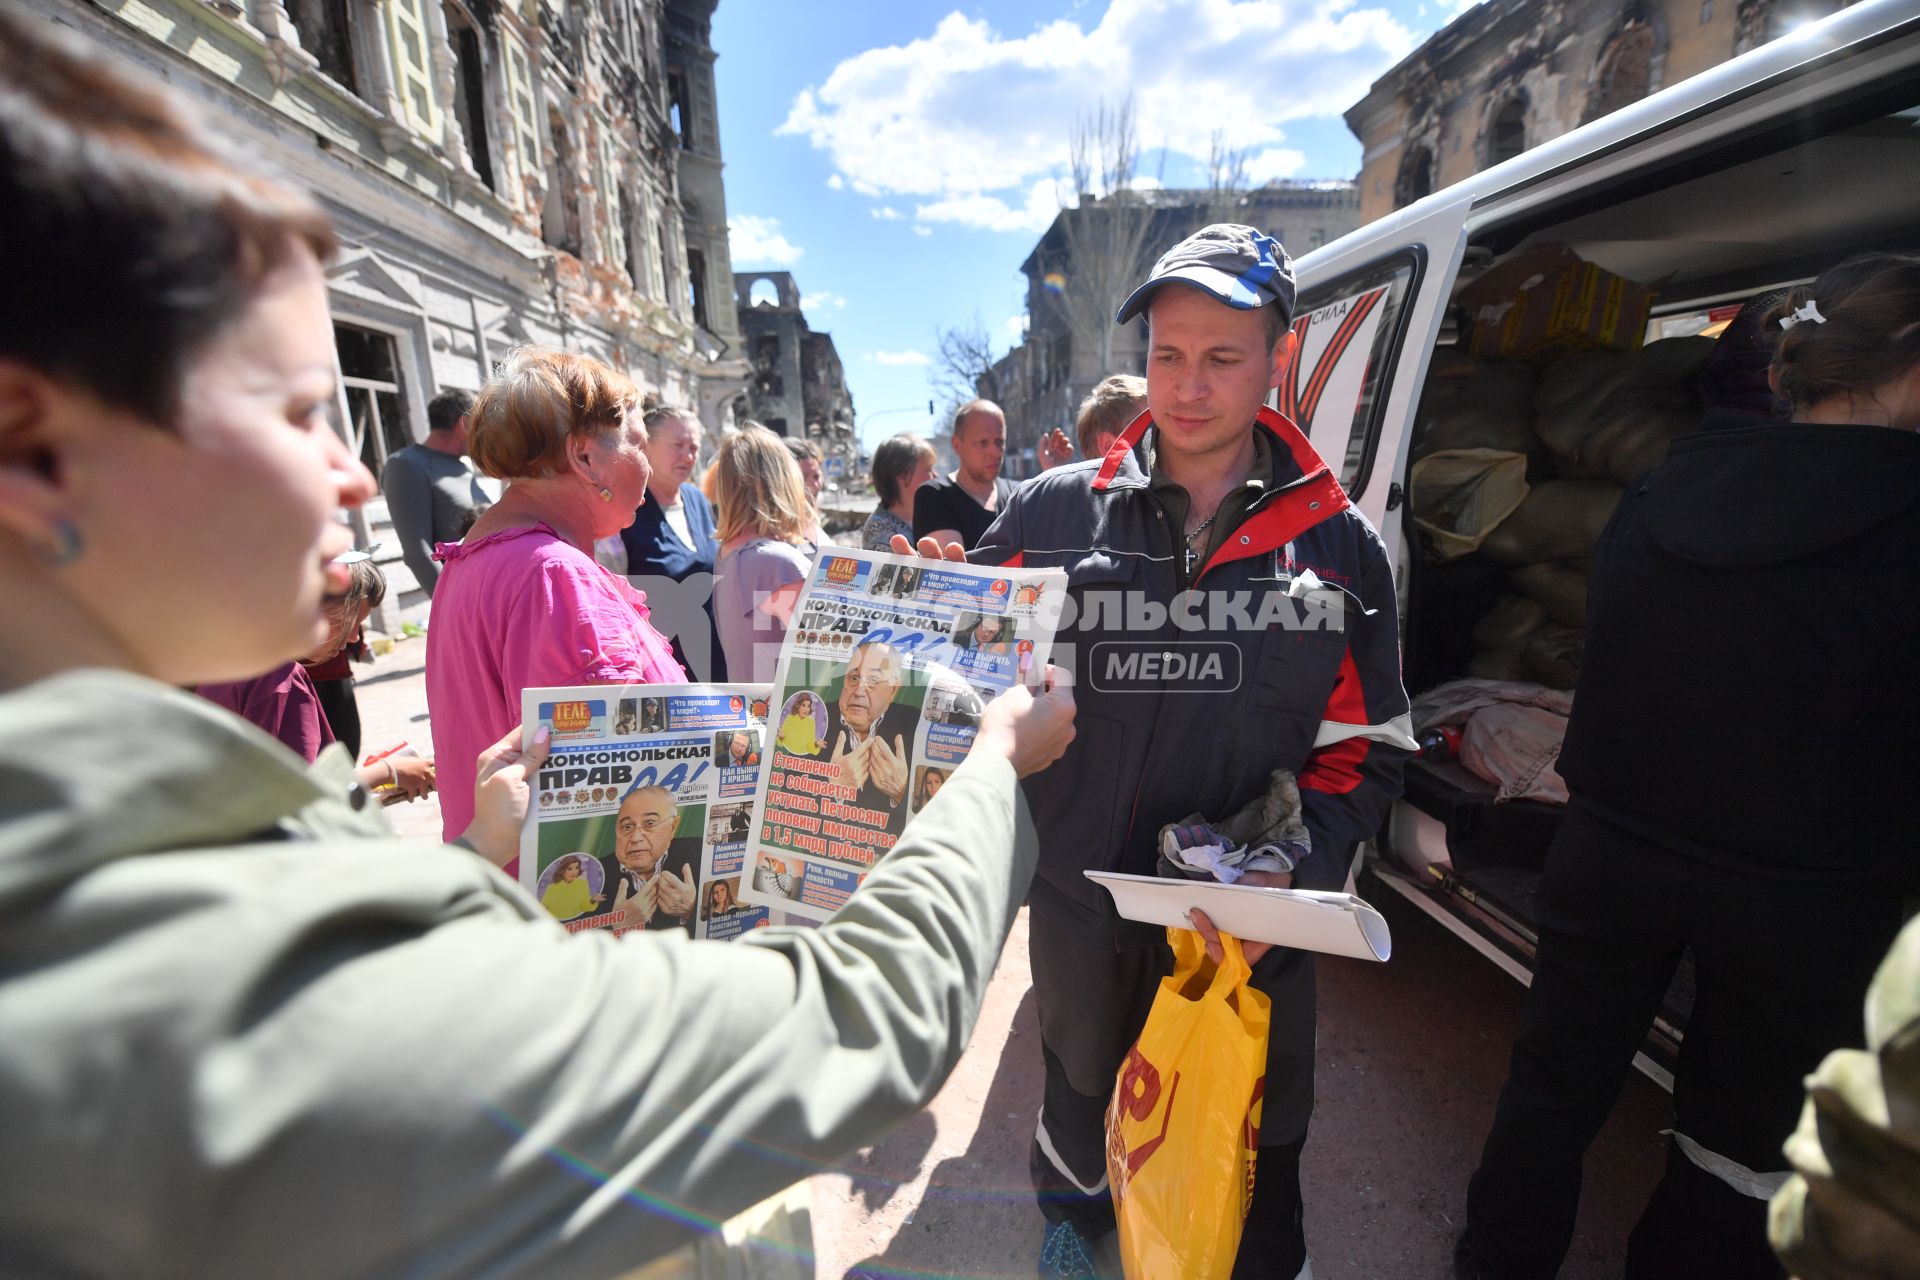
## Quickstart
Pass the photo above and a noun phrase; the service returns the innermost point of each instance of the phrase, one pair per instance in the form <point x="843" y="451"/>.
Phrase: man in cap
<point x="1218" y="531"/>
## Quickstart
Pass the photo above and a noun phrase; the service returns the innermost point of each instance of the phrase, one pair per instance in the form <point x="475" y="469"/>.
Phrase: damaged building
<point x="542" y="171"/>
<point x="1510" y="74"/>
<point x="798" y="386"/>
<point x="1041" y="382"/>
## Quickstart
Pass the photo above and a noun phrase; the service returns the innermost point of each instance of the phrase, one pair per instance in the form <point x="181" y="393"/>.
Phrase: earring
<point x="606" y="495"/>
<point x="67" y="544"/>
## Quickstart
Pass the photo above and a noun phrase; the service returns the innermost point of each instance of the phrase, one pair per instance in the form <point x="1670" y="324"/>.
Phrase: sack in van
<point x="1468" y="404"/>
<point x="1611" y="415"/>
<point x="1559" y="590"/>
<point x="1558" y="520"/>
<point x="1554" y="656"/>
<point x="1461" y="495"/>
<point x="1509" y="624"/>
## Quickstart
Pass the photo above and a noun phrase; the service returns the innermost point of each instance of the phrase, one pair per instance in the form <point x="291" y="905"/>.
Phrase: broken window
<point x="560" y="220"/>
<point x="625" y="212"/>
<point x="371" y="395"/>
<point x="324" y="33"/>
<point x="1415" y="181"/>
<point x="697" y="287"/>
<point x="470" y="91"/>
<point x="680" y="108"/>
<point x="665" y="290"/>
<point x="1507" y="134"/>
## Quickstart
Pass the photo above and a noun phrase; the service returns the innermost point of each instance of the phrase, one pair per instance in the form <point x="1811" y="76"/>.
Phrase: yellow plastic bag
<point x="1184" y="1124"/>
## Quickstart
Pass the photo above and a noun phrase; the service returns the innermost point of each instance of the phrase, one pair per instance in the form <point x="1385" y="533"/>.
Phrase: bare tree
<point x="1226" y="178"/>
<point x="963" y="363"/>
<point x="1105" y="232"/>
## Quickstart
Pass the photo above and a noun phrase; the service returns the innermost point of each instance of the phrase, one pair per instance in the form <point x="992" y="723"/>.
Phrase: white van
<point x="1758" y="173"/>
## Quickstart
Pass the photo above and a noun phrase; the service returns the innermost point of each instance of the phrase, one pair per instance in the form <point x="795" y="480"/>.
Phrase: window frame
<point x="413" y="84"/>
<point x="1383" y="360"/>
<point x="522" y="106"/>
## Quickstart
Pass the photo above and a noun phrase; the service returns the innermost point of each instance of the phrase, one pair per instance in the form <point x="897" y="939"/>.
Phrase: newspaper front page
<point x="640" y="816"/>
<point x="882" y="677"/>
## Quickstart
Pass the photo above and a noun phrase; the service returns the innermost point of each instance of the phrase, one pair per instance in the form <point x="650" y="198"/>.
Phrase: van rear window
<point x="1349" y="330"/>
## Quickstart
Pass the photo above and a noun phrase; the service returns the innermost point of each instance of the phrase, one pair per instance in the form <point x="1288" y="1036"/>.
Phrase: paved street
<point x="1412" y="1054"/>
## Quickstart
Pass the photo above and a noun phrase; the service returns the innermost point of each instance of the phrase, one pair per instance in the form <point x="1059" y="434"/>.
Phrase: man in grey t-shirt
<point x="432" y="494"/>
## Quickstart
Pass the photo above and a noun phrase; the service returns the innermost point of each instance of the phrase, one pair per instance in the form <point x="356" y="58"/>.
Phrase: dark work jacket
<point x="653" y="548"/>
<point x="1321" y="697"/>
<point x="1749" y="694"/>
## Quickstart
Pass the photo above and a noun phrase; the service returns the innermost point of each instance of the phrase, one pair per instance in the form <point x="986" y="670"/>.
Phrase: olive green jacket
<point x="244" y="1031"/>
<point x="1852" y="1211"/>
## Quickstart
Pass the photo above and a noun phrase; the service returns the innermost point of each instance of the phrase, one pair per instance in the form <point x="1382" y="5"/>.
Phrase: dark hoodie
<point x="1751" y="689"/>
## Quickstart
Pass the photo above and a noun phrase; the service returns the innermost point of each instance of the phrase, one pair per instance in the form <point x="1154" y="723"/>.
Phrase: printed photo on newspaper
<point x="640" y="818"/>
<point x="881" y="681"/>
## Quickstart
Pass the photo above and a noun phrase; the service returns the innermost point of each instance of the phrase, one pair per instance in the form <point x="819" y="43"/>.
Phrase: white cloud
<point x="898" y="357"/>
<point x="886" y="213"/>
<point x="825" y="300"/>
<point x="757" y="242"/>
<point x="921" y="230"/>
<point x="1275" y="162"/>
<point x="836" y="183"/>
<point x="1016" y="326"/>
<point x="991" y="213"/>
<point x="966" y="114"/>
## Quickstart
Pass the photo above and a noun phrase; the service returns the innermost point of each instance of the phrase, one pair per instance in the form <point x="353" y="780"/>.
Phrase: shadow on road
<point x="977" y="1217"/>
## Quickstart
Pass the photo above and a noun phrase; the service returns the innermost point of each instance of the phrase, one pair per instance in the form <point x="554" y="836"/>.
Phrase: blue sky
<point x="899" y="157"/>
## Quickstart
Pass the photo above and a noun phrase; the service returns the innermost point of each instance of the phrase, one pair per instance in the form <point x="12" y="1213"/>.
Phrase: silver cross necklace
<point x="1191" y="555"/>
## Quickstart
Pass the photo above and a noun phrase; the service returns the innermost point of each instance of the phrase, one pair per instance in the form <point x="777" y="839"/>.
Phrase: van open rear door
<point x="1371" y="308"/>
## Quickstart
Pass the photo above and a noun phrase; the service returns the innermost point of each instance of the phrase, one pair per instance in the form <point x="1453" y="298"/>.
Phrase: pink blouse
<point x="522" y="609"/>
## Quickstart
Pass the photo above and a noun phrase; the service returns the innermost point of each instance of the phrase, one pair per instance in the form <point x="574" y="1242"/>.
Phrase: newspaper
<point x="880" y="685"/>
<point x="640" y="815"/>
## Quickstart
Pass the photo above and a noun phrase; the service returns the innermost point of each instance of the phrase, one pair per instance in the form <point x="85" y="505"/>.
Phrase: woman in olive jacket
<point x="243" y="1030"/>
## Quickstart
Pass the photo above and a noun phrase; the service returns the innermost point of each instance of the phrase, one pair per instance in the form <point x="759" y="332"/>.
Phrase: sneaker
<point x="1064" y="1254"/>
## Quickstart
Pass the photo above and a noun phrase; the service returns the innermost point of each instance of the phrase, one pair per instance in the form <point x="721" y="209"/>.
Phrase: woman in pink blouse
<point x="521" y="602"/>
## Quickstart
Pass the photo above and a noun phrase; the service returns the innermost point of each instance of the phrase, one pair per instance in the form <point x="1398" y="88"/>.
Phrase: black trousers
<point x="1092" y="1005"/>
<point x="343" y="712"/>
<point x="1782" y="968"/>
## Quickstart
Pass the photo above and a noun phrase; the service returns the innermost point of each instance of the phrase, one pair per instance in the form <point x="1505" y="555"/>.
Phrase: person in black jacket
<point x="1212" y="527"/>
<point x="1740" y="759"/>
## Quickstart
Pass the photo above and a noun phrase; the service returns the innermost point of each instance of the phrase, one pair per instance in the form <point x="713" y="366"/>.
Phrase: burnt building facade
<point x="542" y="171"/>
<point x="1508" y="75"/>
<point x="797" y="386"/>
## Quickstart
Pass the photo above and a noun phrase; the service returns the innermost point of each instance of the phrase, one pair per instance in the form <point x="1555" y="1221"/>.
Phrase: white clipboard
<point x="1337" y="923"/>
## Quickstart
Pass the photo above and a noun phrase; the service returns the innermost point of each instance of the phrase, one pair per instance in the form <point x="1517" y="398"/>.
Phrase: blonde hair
<point x="1108" y="408"/>
<point x="758" y="488"/>
<point x="536" y="403"/>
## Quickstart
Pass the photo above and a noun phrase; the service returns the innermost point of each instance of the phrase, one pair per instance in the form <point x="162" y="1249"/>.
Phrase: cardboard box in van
<point x="1547" y="301"/>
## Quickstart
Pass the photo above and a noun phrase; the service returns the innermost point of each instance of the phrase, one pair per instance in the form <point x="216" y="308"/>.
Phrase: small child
<point x="286" y="703"/>
<point x="328" y="665"/>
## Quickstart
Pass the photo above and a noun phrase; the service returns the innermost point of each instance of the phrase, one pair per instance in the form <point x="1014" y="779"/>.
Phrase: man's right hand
<point x="928" y="549"/>
<point x="1031" y="731"/>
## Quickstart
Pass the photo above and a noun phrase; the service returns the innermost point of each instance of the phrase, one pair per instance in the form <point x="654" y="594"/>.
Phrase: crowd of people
<point x="287" y="1043"/>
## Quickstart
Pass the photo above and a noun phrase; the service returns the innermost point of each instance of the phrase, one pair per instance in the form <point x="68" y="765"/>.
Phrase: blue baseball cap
<point x="1236" y="264"/>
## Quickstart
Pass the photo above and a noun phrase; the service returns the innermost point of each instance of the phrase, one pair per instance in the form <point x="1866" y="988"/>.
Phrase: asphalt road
<point x="1412" y="1055"/>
